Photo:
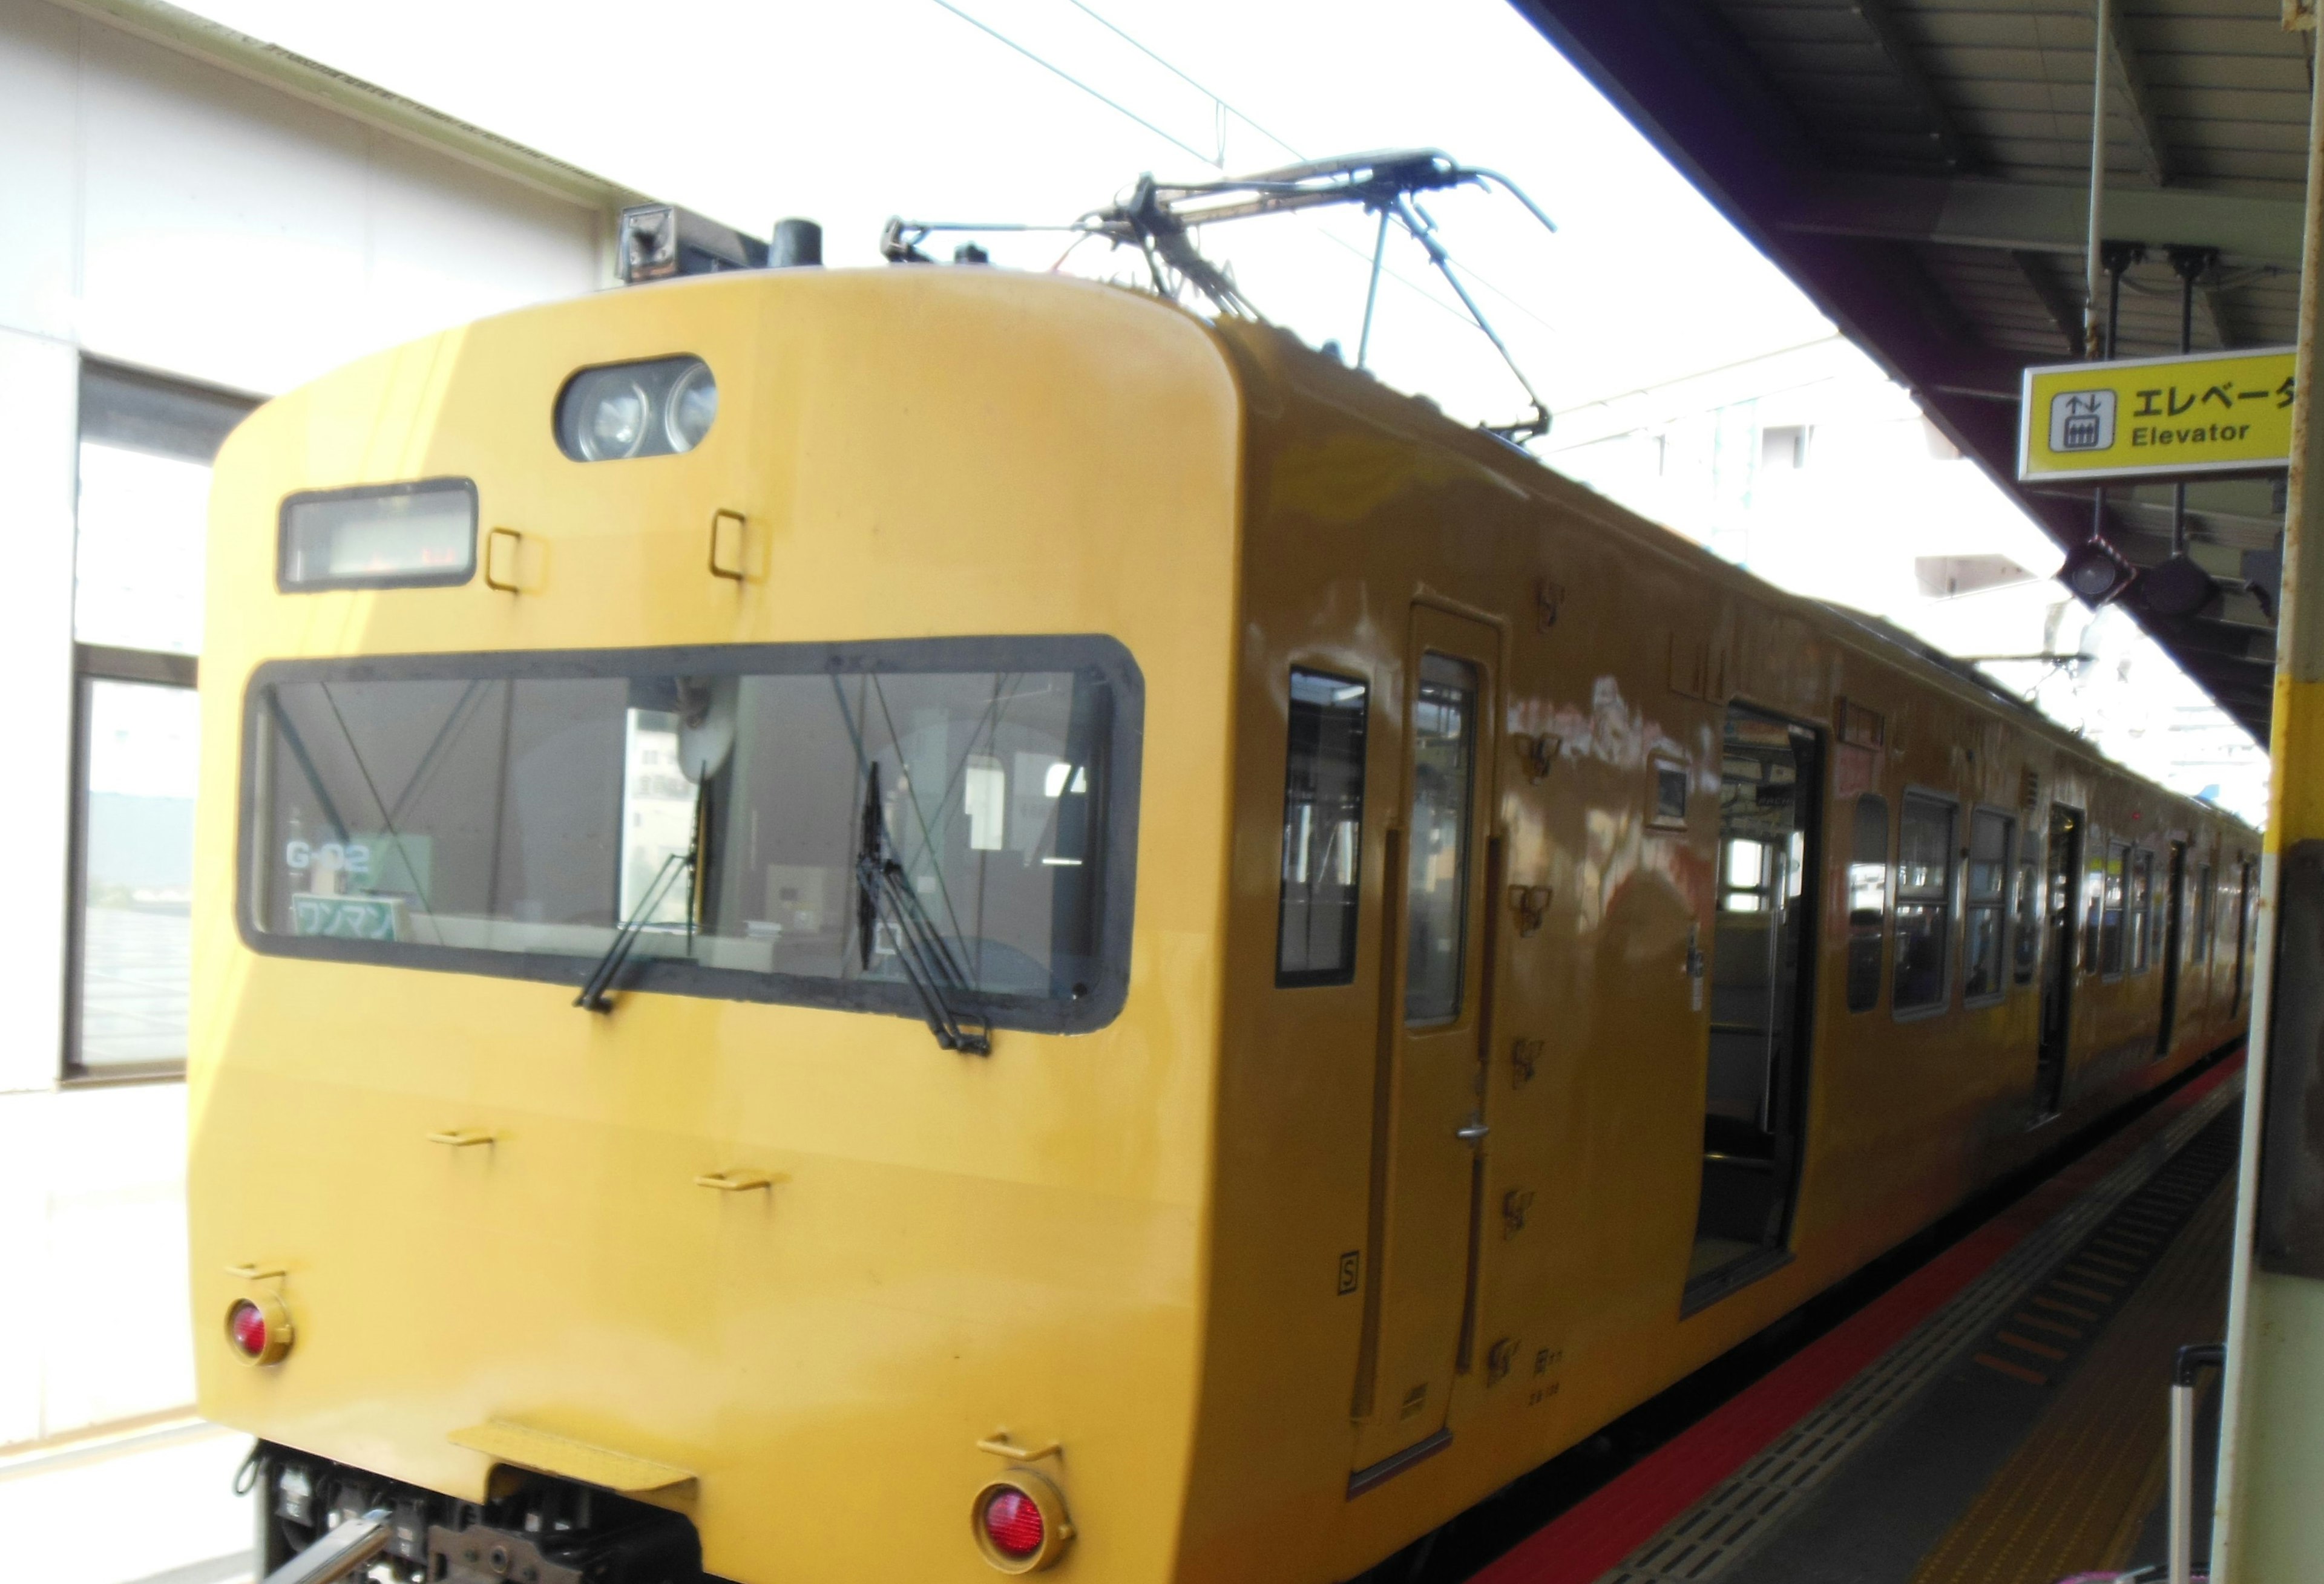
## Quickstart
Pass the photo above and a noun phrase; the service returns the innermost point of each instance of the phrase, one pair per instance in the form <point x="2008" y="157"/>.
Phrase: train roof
<point x="1298" y="366"/>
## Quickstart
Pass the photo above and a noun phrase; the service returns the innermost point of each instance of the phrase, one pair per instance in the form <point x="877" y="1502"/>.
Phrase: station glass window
<point x="1444" y="751"/>
<point x="1986" y="901"/>
<point x="1925" y="884"/>
<point x="1868" y="901"/>
<point x="140" y="537"/>
<point x="2025" y="946"/>
<point x="2114" y="880"/>
<point x="1323" y="830"/>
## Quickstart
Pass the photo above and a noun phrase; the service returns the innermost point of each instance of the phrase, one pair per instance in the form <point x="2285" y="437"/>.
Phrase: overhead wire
<point x="1217" y="162"/>
<point x="1127" y="38"/>
<point x="995" y="33"/>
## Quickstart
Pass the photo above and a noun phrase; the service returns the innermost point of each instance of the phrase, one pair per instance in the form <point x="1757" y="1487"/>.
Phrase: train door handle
<point x="463" y="1138"/>
<point x="1474" y="1133"/>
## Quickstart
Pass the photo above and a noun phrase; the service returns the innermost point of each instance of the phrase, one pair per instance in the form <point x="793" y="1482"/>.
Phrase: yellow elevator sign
<point x="2156" y="417"/>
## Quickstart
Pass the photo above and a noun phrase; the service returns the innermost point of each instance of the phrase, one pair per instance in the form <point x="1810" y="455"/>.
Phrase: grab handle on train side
<point x="507" y="584"/>
<point x="739" y="1182"/>
<point x="732" y="571"/>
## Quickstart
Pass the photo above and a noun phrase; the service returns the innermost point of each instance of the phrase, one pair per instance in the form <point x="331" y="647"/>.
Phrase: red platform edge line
<point x="1591" y="1538"/>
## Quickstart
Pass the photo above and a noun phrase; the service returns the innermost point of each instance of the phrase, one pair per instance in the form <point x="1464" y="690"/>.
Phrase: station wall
<point x="178" y="214"/>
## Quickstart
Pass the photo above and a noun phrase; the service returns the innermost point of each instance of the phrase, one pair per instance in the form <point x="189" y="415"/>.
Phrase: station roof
<point x="174" y="28"/>
<point x="1921" y="169"/>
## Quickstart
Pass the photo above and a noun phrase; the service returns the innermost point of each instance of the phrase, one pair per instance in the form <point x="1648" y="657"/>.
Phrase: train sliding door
<point x="2065" y="866"/>
<point x="1762" y="961"/>
<point x="1429" y="1127"/>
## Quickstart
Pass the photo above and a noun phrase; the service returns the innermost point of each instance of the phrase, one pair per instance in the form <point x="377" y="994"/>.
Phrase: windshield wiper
<point x="601" y="978"/>
<point x="884" y="895"/>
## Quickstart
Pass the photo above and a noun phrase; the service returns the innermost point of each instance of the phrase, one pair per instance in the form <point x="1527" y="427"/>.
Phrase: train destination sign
<point x="2156" y="417"/>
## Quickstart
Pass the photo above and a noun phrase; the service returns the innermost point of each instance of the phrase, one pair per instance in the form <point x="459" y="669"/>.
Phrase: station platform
<point x="1997" y="1416"/>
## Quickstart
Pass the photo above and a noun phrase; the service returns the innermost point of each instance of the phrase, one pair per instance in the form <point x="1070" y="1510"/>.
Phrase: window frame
<point x="2003" y="905"/>
<point x="92" y="663"/>
<point x="1848" y="929"/>
<point x="1948" y="976"/>
<point x="1475" y="824"/>
<point x="1124" y="747"/>
<point x="1663" y="759"/>
<point x="2028" y="907"/>
<point x="2112" y="974"/>
<point x="2141" y="945"/>
<point x="2206" y="922"/>
<point x="438" y="481"/>
<point x="1313" y="978"/>
<point x="133" y="410"/>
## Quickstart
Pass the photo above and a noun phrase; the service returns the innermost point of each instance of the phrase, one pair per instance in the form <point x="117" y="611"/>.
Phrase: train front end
<point x="711" y="851"/>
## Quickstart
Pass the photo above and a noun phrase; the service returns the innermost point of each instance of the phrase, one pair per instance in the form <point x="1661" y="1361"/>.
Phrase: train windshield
<point x="511" y="814"/>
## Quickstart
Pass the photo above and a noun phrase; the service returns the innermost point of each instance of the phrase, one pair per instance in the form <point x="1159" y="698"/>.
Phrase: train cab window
<point x="2140" y="908"/>
<point x="1323" y="831"/>
<point x="1868" y="901"/>
<point x="521" y="813"/>
<point x="1924" y="887"/>
<point x="2113" y="881"/>
<point x="2025" y="942"/>
<point x="1444" y="754"/>
<point x="1986" y="902"/>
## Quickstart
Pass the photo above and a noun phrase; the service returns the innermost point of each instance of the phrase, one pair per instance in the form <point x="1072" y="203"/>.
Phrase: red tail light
<point x="258" y="1328"/>
<point x="1019" y="1522"/>
<point x="1013" y="1521"/>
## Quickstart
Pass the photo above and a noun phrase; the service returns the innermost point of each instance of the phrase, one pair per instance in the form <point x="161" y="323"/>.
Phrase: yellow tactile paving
<point x="2075" y="1494"/>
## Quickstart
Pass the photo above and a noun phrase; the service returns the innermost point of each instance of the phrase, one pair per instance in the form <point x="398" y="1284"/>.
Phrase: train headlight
<point x="258" y="1328"/>
<point x="615" y="422"/>
<point x="692" y="407"/>
<point x="1019" y="1522"/>
<point x="624" y="409"/>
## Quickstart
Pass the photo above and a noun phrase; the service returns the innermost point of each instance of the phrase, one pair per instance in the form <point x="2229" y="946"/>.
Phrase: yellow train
<point x="885" y="925"/>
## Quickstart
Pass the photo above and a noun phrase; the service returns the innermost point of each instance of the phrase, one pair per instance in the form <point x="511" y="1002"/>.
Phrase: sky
<point x="748" y="110"/>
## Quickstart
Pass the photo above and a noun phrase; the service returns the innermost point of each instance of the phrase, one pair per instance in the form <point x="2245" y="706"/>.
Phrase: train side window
<point x="2026" y="945"/>
<point x="2140" y="909"/>
<point x="1990" y="838"/>
<point x="2113" y="880"/>
<point x="1436" y="884"/>
<point x="1868" y="901"/>
<point x="1924" y="887"/>
<point x="1323" y="830"/>
<point x="1668" y="810"/>
<point x="2206" y="916"/>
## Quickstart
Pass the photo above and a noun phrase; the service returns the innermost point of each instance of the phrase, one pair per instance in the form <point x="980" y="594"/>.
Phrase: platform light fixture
<point x="2096" y="573"/>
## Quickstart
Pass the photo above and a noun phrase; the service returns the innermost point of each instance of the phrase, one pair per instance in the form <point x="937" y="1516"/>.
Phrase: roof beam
<point x="2063" y="310"/>
<point x="1879" y="18"/>
<point x="2034" y="218"/>
<point x="2137" y="101"/>
<point x="2215" y="308"/>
